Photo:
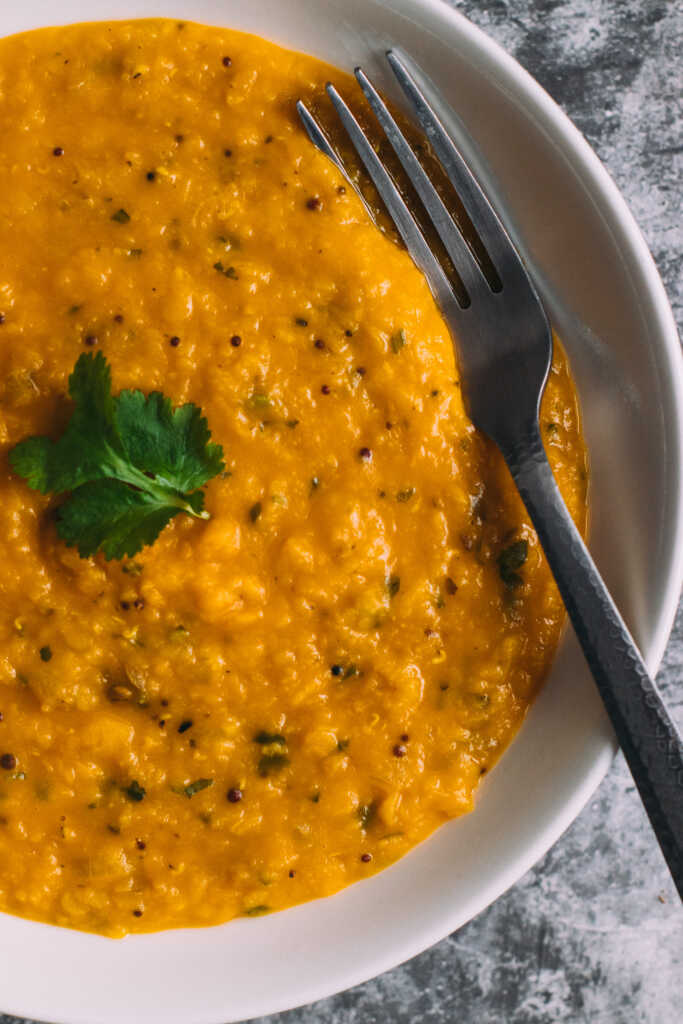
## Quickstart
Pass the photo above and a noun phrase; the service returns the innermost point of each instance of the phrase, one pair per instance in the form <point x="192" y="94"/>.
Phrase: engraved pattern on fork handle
<point x="647" y="735"/>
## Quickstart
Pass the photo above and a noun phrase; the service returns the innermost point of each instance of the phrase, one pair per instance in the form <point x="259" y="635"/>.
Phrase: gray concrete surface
<point x="594" y="933"/>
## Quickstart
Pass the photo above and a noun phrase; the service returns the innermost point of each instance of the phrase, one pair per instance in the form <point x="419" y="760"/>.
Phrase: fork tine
<point x="318" y="136"/>
<point x="406" y="224"/>
<point x="467" y="268"/>
<point x="493" y="235"/>
<point x="321" y="141"/>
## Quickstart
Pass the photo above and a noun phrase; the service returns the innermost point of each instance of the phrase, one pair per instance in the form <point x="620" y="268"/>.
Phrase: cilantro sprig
<point x="131" y="462"/>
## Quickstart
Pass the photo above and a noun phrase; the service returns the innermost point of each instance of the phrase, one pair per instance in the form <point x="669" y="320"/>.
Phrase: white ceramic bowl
<point x="607" y="302"/>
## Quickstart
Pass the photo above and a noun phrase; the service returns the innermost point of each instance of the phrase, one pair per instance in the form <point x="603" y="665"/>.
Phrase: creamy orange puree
<point x="264" y="708"/>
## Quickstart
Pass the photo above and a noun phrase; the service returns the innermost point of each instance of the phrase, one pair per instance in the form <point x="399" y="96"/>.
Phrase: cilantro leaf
<point x="30" y="459"/>
<point x="171" y="443"/>
<point x="131" y="462"/>
<point x="510" y="560"/>
<point x="88" y="446"/>
<point x="109" y="515"/>
<point x="90" y="388"/>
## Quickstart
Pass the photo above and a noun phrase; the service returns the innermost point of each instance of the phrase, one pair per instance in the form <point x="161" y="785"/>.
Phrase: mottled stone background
<point x="594" y="933"/>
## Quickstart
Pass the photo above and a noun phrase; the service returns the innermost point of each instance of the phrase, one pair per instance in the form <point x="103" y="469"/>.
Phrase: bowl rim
<point x="636" y="254"/>
<point x="510" y="75"/>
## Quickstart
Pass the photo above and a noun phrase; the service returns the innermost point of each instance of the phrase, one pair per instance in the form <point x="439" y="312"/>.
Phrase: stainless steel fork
<point x="503" y="348"/>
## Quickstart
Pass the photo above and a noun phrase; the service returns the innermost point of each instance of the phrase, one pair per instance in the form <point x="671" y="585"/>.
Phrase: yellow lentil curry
<point x="263" y="708"/>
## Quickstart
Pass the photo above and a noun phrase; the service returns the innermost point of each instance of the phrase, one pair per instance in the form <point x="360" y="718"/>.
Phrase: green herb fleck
<point x="510" y="560"/>
<point x="269" y="764"/>
<point x="258" y="401"/>
<point x="398" y="340"/>
<point x="406" y="494"/>
<point x="135" y="254"/>
<point x="450" y="585"/>
<point x="393" y="585"/>
<point x="257" y="911"/>
<point x="255" y="511"/>
<point x="121" y="217"/>
<point x="132" y="568"/>
<point x="45" y="653"/>
<point x="135" y="791"/>
<point x="74" y="309"/>
<point x="132" y="463"/>
<point x="225" y="271"/>
<point x="366" y="814"/>
<point x="292" y="424"/>
<point x="266" y="738"/>
<point x="179" y="635"/>
<point x="196" y="787"/>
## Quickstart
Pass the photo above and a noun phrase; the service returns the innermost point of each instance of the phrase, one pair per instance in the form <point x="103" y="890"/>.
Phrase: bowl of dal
<point x="247" y="765"/>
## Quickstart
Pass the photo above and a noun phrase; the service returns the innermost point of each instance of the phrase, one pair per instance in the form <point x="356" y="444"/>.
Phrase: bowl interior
<point x="608" y="306"/>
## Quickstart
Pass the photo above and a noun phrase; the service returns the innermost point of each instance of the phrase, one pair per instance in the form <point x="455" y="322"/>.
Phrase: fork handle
<point x="647" y="735"/>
